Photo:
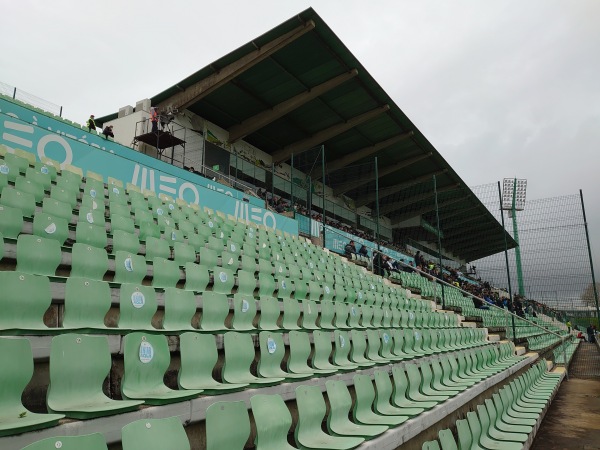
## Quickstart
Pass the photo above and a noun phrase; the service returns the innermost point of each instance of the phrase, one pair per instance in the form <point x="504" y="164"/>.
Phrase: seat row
<point x="80" y="363"/>
<point x="87" y="302"/>
<point x="508" y="419"/>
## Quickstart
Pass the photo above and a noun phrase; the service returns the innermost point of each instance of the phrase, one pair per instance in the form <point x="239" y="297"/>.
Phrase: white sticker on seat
<point x="146" y="352"/>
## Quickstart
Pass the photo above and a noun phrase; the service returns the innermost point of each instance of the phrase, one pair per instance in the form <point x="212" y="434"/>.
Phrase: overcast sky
<point x="500" y="88"/>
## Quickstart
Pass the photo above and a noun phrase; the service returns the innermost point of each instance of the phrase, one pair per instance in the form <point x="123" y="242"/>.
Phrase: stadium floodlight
<point x="514" y="192"/>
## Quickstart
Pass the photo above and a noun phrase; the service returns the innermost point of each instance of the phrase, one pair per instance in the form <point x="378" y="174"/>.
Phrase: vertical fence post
<point x="273" y="184"/>
<point x="60" y="113"/>
<point x="439" y="236"/>
<point x="323" y="187"/>
<point x="564" y="349"/>
<point x="377" y="201"/>
<point x="292" y="186"/>
<point x="14" y="93"/>
<point x="309" y="205"/>
<point x="510" y="295"/>
<point x="587" y="237"/>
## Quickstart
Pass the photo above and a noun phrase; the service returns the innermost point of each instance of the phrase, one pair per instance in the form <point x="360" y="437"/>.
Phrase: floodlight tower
<point x="513" y="200"/>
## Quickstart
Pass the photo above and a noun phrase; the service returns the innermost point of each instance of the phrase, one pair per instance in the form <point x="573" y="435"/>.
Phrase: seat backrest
<point x="300" y="350"/>
<point x="157" y="247"/>
<point x="198" y="359"/>
<point x="137" y="306"/>
<point x="38" y="255"/>
<point x="365" y="394"/>
<point x="239" y="354"/>
<point x="465" y="438"/>
<point x="475" y="426"/>
<point x="273" y="422"/>
<point x="155" y="434"/>
<point x="78" y="366"/>
<point x="88" y="261"/>
<point x="87" y="301"/>
<point x="15" y="376"/>
<point x="227" y="426"/>
<point x="269" y="313"/>
<point x="129" y="268"/>
<point x="223" y="280"/>
<point x="180" y="307"/>
<point x="215" y="308"/>
<point x="447" y="441"/>
<point x="244" y="312"/>
<point x="146" y="359"/>
<point x="24" y="301"/>
<point x="93" y="441"/>
<point x="311" y="409"/>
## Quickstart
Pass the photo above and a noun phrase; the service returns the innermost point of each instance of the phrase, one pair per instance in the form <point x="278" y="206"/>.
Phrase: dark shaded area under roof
<point x="298" y="86"/>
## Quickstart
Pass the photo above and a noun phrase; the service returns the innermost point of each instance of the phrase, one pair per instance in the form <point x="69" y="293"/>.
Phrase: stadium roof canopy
<point x="296" y="87"/>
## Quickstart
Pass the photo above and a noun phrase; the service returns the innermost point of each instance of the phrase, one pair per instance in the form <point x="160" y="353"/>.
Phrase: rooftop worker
<point x="108" y="131"/>
<point x="154" y="119"/>
<point x="91" y="123"/>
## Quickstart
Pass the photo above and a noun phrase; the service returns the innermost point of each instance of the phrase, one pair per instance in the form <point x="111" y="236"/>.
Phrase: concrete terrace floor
<point x="573" y="420"/>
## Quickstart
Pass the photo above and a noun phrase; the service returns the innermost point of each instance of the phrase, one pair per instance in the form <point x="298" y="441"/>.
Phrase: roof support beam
<point x="342" y="189"/>
<point x="323" y="135"/>
<point x="418" y="213"/>
<point x="360" y="154"/>
<point x="385" y="192"/>
<point x="414" y="199"/>
<point x="466" y="237"/>
<point x="264" y="118"/>
<point x="202" y="88"/>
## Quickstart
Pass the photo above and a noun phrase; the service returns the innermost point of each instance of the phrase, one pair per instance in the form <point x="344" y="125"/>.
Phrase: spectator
<point x="349" y="249"/>
<point x="154" y="119"/>
<point x="591" y="334"/>
<point x="363" y="250"/>
<point x="108" y="131"/>
<point x="378" y="263"/>
<point x="568" y="325"/>
<point x="91" y="123"/>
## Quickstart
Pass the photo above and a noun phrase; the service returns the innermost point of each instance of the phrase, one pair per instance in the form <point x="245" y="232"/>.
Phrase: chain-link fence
<point x="32" y="100"/>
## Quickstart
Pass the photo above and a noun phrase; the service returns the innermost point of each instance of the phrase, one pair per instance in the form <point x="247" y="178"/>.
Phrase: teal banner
<point x="47" y="137"/>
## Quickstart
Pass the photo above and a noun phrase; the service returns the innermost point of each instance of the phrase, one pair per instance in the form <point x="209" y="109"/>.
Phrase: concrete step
<point x="469" y="325"/>
<point x="520" y="350"/>
<point x="493" y="337"/>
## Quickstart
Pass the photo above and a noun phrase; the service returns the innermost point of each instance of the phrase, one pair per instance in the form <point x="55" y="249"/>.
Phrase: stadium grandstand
<point x="191" y="283"/>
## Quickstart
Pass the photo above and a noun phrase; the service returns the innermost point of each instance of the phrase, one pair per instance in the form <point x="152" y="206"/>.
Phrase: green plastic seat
<point x="28" y="186"/>
<point x="155" y="434"/>
<point x="87" y="301"/>
<point x="311" y="412"/>
<point x="272" y="352"/>
<point x="90" y="234"/>
<point x="447" y="441"/>
<point x="157" y="247"/>
<point x="123" y="223"/>
<point x="291" y="314"/>
<point x="183" y="253"/>
<point x="137" y="306"/>
<point x="57" y="208"/>
<point x="327" y="314"/>
<point x="310" y="313"/>
<point x="223" y="280"/>
<point x="246" y="282"/>
<point x="24" y="301"/>
<point x="227" y="426"/>
<point x="273" y="422"/>
<point x="14" y="377"/>
<point x="12" y="167"/>
<point x="433" y="386"/>
<point x="482" y="439"/>
<point x="180" y="307"/>
<point x="146" y="359"/>
<point x="88" y="261"/>
<point x="208" y="257"/>
<point x="341" y="350"/>
<point x="14" y="198"/>
<point x="93" y="441"/>
<point x="198" y="359"/>
<point x="197" y="277"/>
<point x="300" y="351"/>
<point x="125" y="241"/>
<point x="269" y="313"/>
<point x="383" y="398"/>
<point x="401" y="397"/>
<point x="38" y="255"/>
<point x="129" y="268"/>
<point x="165" y="273"/>
<point x="359" y="347"/>
<point x="11" y="221"/>
<point x="239" y="355"/>
<point x="79" y="364"/>
<point x="338" y="423"/>
<point x="374" y="347"/>
<point x="215" y="309"/>
<point x="415" y="386"/>
<point x="363" y="406"/>
<point x="244" y="312"/>
<point x="502" y="425"/>
<point x="323" y="350"/>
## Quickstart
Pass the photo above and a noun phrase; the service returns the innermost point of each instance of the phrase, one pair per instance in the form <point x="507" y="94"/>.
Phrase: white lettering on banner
<point x="193" y="188"/>
<point x="258" y="215"/>
<point x="45" y="140"/>
<point x="163" y="187"/>
<point x="17" y="139"/>
<point x="221" y="190"/>
<point x="338" y="245"/>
